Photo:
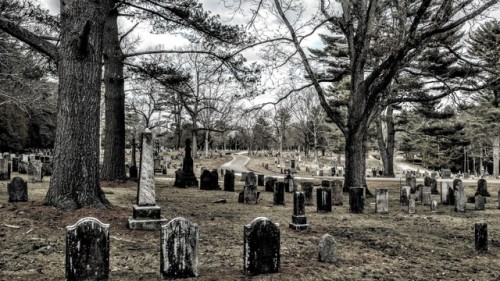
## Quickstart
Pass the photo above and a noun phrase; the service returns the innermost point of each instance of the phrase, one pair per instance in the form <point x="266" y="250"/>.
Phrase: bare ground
<point x="394" y="246"/>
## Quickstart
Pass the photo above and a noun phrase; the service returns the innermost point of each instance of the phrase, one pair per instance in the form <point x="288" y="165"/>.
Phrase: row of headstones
<point x="87" y="249"/>
<point x="35" y="169"/>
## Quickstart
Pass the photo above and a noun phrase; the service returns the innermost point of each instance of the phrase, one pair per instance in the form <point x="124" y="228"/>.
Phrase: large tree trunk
<point x="114" y="142"/>
<point x="206" y="143"/>
<point x="75" y="181"/>
<point x="386" y="144"/>
<point x="496" y="155"/>
<point x="355" y="160"/>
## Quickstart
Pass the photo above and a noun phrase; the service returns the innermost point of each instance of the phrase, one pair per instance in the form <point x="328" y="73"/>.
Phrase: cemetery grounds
<point x="393" y="246"/>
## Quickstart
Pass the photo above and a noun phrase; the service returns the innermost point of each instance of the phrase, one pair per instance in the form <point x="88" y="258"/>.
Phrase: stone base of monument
<point x="146" y="218"/>
<point x="299" y="223"/>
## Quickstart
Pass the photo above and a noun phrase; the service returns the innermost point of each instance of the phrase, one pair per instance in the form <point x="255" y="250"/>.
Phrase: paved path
<point x="238" y="163"/>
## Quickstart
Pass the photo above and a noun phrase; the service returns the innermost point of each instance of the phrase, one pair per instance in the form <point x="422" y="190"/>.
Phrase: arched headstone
<point x="261" y="247"/>
<point x="179" y="248"/>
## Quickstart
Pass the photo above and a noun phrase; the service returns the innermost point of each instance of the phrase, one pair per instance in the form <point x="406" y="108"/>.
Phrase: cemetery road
<point x="238" y="163"/>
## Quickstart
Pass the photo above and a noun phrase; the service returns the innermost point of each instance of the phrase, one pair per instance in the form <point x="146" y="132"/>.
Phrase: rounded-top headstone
<point x="327" y="250"/>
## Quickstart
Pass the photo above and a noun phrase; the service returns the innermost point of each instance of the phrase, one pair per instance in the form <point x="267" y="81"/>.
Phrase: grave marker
<point x="481" y="237"/>
<point x="356" y="200"/>
<point x="261" y="247"/>
<point x="18" y="190"/>
<point x="229" y="180"/>
<point x="179" y="249"/>
<point x="382" y="201"/>
<point x="323" y="199"/>
<point x="307" y="187"/>
<point x="299" y="219"/>
<point x="327" y="251"/>
<point x="279" y="193"/>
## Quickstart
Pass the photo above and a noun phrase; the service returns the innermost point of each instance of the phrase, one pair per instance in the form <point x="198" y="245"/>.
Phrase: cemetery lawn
<point x="393" y="246"/>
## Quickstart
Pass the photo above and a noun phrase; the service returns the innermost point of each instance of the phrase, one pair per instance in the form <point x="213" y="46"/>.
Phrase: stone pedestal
<point x="146" y="214"/>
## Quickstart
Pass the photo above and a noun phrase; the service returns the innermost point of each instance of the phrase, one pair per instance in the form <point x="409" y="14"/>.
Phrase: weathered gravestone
<point x="270" y="183"/>
<point x="229" y="180"/>
<point x="432" y="183"/>
<point x="279" y="193"/>
<point x="434" y="206"/>
<point x="261" y="247"/>
<point x="289" y="183"/>
<point x="260" y="179"/>
<point x="23" y="168"/>
<point x="356" y="200"/>
<point x="426" y="196"/>
<point x="323" y="199"/>
<point x="87" y="250"/>
<point x="215" y="179"/>
<point x="411" y="206"/>
<point x="445" y="193"/>
<point x="307" y="187"/>
<point x="251" y="196"/>
<point x="18" y="190"/>
<point x="460" y="198"/>
<point x="446" y="173"/>
<point x="35" y="171"/>
<point x="327" y="250"/>
<point x="482" y="188"/>
<point x="404" y="195"/>
<point x="179" y="249"/>
<point x="251" y="179"/>
<point x="206" y="180"/>
<point x="146" y="214"/>
<point x="179" y="179"/>
<point x="4" y="169"/>
<point x="382" y="201"/>
<point x="337" y="193"/>
<point x="187" y="166"/>
<point x="481" y="237"/>
<point x="243" y="176"/>
<point x="299" y="219"/>
<point x="479" y="202"/>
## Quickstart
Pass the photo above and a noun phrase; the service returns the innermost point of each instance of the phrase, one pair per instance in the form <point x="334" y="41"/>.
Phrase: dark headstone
<point x="481" y="237"/>
<point x="4" y="169"/>
<point x="23" y="168"/>
<point x="479" y="202"/>
<point x="456" y="182"/>
<point x="337" y="193"/>
<point x="323" y="199"/>
<point x="87" y="250"/>
<point x="215" y="179"/>
<point x="279" y="193"/>
<point x="270" y="184"/>
<point x="292" y="164"/>
<point x="187" y="166"/>
<point x="229" y="180"/>
<point x="133" y="172"/>
<point x="251" y="179"/>
<point x="260" y="180"/>
<point x="250" y="194"/>
<point x="404" y="196"/>
<point x="418" y="193"/>
<point x="432" y="183"/>
<point x="18" y="190"/>
<point x="243" y="176"/>
<point x="289" y="183"/>
<point x="482" y="188"/>
<point x="299" y="219"/>
<point x="356" y="200"/>
<point x="446" y="173"/>
<point x="206" y="180"/>
<point x="179" y="179"/>
<point x="261" y="247"/>
<point x="15" y="164"/>
<point x="307" y="187"/>
<point x="179" y="249"/>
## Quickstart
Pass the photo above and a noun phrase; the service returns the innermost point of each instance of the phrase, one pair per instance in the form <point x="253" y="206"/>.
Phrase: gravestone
<point x="356" y="200"/>
<point x="445" y="194"/>
<point x="432" y="183"/>
<point x="404" y="196"/>
<point x="482" y="188"/>
<point x="206" y="180"/>
<point x="15" y="164"/>
<point x="23" y="168"/>
<point x="270" y="184"/>
<point x="299" y="219"/>
<point x="434" y="206"/>
<point x="412" y="182"/>
<point x="187" y="166"/>
<point x="179" y="179"/>
<point x="260" y="179"/>
<point x="35" y="171"/>
<point x="382" y="201"/>
<point x="146" y="214"/>
<point x="456" y="182"/>
<point x="481" y="237"/>
<point x="133" y="172"/>
<point x="251" y="196"/>
<point x="243" y="176"/>
<point x="426" y="196"/>
<point x="289" y="183"/>
<point x="479" y="202"/>
<point x="323" y="199"/>
<point x="229" y="180"/>
<point x="179" y="249"/>
<point x="87" y="250"/>
<point x="17" y="190"/>
<point x="261" y="247"/>
<point x="411" y="206"/>
<point x="279" y="193"/>
<point x="337" y="193"/>
<point x="4" y="169"/>
<point x="251" y="179"/>
<point x="327" y="249"/>
<point x="460" y="198"/>
<point x="307" y="187"/>
<point x="446" y="174"/>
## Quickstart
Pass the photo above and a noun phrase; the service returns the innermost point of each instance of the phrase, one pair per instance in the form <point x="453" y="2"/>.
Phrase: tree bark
<point x="386" y="145"/>
<point x="114" y="135"/>
<point x="496" y="155"/>
<point x="75" y="181"/>
<point x="355" y="161"/>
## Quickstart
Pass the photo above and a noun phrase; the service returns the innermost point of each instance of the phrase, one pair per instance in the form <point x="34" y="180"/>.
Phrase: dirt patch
<point x="394" y="246"/>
